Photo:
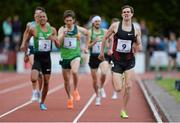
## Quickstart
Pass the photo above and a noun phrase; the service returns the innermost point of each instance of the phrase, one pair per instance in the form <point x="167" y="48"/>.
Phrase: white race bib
<point x="70" y="43"/>
<point x="96" y="47"/>
<point x="123" y="46"/>
<point x="44" y="45"/>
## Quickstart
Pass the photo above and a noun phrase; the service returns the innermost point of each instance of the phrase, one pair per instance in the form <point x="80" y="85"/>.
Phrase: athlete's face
<point x="42" y="18"/>
<point x="69" y="21"/>
<point x="127" y="14"/>
<point x="97" y="24"/>
<point x="36" y="15"/>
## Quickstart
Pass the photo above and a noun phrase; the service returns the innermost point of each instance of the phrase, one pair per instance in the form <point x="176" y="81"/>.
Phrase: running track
<point x="15" y="93"/>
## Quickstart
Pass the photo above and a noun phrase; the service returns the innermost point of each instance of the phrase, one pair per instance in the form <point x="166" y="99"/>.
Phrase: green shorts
<point x="66" y="63"/>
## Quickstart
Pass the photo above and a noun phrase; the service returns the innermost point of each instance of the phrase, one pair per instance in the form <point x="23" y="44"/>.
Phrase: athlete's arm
<point x="25" y="41"/>
<point x="138" y="44"/>
<point x="110" y="31"/>
<point x="91" y="43"/>
<point x="61" y="34"/>
<point x="86" y="33"/>
<point x="54" y="38"/>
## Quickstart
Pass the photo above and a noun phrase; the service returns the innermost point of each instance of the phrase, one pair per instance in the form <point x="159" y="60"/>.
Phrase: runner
<point x="29" y="55"/>
<point x="111" y="40"/>
<point x="69" y="36"/>
<point x="43" y="34"/>
<point x="96" y="35"/>
<point x="127" y="41"/>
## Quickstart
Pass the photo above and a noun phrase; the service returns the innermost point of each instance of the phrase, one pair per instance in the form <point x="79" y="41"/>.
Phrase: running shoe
<point x="123" y="114"/>
<point x="70" y="103"/>
<point x="43" y="106"/>
<point x="103" y="93"/>
<point x="76" y="95"/>
<point x="39" y="95"/>
<point x="34" y="96"/>
<point x="98" y="101"/>
<point x="115" y="95"/>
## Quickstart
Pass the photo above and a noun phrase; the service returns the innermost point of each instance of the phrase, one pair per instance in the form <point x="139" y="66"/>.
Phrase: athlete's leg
<point x="40" y="81"/>
<point x="117" y="81"/>
<point x="31" y="60"/>
<point x="34" y="78"/>
<point x="66" y="76"/>
<point x="94" y="77"/>
<point x="75" y="63"/>
<point x="129" y="77"/>
<point x="104" y="67"/>
<point x="96" y="87"/>
<point x="45" y="87"/>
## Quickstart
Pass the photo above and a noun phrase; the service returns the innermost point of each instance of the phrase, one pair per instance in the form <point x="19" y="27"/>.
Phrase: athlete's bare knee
<point x="127" y="88"/>
<point x="74" y="72"/>
<point x="33" y="80"/>
<point x="118" y="90"/>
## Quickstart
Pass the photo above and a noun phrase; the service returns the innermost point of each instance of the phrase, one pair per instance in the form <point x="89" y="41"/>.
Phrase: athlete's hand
<point x="85" y="51"/>
<point x="23" y="48"/>
<point x="101" y="57"/>
<point x="26" y="58"/>
<point x="109" y="52"/>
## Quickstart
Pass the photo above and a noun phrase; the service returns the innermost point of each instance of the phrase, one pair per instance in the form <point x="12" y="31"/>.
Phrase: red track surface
<point x="15" y="91"/>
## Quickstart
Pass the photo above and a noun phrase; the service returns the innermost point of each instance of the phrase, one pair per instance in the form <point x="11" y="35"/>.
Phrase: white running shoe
<point x="34" y="96"/>
<point x="98" y="101"/>
<point x="102" y="93"/>
<point x="39" y="96"/>
<point x="115" y="95"/>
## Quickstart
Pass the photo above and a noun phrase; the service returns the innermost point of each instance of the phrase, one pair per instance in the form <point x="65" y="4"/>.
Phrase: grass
<point x="169" y="85"/>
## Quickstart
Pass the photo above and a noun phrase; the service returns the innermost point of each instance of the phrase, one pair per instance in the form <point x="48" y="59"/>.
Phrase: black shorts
<point x="94" y="61"/>
<point x="42" y="62"/>
<point x="121" y="66"/>
<point x="173" y="55"/>
<point x="30" y="50"/>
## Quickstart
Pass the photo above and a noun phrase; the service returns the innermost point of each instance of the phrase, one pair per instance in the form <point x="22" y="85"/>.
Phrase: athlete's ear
<point x="46" y="17"/>
<point x="74" y="21"/>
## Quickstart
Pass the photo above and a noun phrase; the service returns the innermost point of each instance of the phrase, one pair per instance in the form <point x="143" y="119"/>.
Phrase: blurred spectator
<point x="88" y="25"/>
<point x="136" y="23"/>
<point x="5" y="46"/>
<point x="104" y="23"/>
<point x="7" y="27"/>
<point x="151" y="46"/>
<point x="172" y="44"/>
<point x="178" y="44"/>
<point x="114" y="20"/>
<point x="16" y="35"/>
<point x="144" y="34"/>
<point x="162" y="44"/>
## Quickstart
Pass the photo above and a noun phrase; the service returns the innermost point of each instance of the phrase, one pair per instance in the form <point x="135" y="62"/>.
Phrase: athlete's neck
<point x="43" y="27"/>
<point x="97" y="29"/>
<point x="70" y="28"/>
<point x="126" y="25"/>
<point x="126" y="22"/>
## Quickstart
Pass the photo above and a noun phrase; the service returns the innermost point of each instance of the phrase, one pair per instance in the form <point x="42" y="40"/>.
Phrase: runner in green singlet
<point x="69" y="37"/>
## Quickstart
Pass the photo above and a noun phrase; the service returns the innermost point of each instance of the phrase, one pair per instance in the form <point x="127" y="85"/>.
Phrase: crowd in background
<point x="12" y="31"/>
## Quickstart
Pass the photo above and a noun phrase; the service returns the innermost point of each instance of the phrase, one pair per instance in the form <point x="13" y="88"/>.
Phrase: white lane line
<point x="14" y="88"/>
<point x="29" y="102"/>
<point x="149" y="100"/>
<point x="85" y="108"/>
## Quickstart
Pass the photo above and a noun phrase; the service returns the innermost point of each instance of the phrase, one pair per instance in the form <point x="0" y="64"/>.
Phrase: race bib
<point x="123" y="46"/>
<point x="44" y="45"/>
<point x="96" y="47"/>
<point x="70" y="43"/>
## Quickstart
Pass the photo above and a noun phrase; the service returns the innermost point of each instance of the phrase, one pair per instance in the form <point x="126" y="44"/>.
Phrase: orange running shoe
<point x="70" y="103"/>
<point x="76" y="95"/>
